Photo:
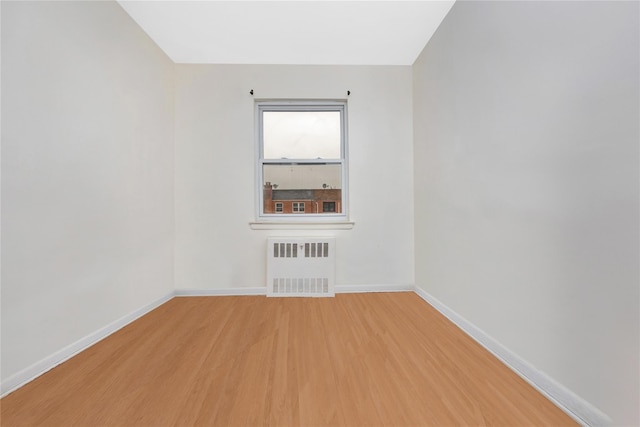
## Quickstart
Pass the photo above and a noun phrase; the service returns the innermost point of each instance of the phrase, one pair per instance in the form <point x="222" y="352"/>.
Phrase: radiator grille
<point x="311" y="249"/>
<point x="301" y="266"/>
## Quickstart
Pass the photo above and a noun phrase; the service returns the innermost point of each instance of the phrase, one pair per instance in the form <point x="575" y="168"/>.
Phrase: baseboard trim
<point x="573" y="405"/>
<point x="355" y="289"/>
<point x="32" y="372"/>
<point x="220" y="292"/>
<point x="339" y="289"/>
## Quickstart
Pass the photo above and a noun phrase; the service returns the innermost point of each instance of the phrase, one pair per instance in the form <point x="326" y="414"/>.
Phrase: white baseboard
<point x="259" y="290"/>
<point x="576" y="407"/>
<point x="34" y="371"/>
<point x="221" y="292"/>
<point x="354" y="289"/>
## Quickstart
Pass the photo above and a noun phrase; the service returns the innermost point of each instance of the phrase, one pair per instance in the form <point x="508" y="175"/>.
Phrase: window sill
<point x="280" y="225"/>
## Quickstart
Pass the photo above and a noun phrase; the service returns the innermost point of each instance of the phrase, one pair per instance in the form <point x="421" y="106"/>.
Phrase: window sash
<point x="292" y="106"/>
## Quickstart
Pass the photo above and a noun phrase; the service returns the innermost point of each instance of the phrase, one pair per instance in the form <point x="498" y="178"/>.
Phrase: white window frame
<point x="279" y="205"/>
<point x="301" y="105"/>
<point x="297" y="207"/>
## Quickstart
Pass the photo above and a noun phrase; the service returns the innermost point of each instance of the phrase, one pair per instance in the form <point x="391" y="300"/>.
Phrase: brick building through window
<point x="313" y="201"/>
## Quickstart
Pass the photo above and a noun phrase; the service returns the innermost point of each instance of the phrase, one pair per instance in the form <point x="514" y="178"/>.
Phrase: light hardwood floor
<point x="353" y="360"/>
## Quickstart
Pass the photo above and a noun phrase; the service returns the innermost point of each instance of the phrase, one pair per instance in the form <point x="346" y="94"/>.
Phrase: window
<point x="302" y="165"/>
<point x="328" y="206"/>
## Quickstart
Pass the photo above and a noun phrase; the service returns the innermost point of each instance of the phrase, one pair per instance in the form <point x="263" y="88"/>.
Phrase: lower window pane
<point x="302" y="189"/>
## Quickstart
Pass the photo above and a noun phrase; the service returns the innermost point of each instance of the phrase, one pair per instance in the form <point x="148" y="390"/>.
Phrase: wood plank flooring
<point x="353" y="360"/>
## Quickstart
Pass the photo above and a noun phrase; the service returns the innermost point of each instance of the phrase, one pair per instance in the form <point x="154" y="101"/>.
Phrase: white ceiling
<point x="290" y="32"/>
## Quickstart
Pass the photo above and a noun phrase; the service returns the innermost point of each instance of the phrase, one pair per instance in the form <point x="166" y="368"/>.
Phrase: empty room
<point x="320" y="213"/>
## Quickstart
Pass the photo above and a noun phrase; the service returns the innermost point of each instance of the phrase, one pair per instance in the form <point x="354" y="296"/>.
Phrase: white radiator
<point x="301" y="266"/>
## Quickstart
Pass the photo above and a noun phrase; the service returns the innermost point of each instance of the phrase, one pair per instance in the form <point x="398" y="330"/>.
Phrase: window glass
<point x="301" y="134"/>
<point x="297" y="177"/>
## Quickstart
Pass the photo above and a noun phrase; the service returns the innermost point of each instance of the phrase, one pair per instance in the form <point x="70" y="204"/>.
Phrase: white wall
<point x="87" y="174"/>
<point x="526" y="185"/>
<point x="215" y="171"/>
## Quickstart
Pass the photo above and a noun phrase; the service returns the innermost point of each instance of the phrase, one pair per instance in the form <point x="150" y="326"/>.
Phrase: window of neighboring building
<point x="328" y="206"/>
<point x="301" y="159"/>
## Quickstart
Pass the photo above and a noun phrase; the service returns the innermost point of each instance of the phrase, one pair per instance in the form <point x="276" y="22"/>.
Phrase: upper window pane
<point x="301" y="134"/>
